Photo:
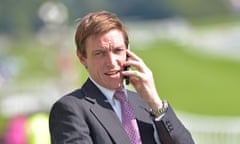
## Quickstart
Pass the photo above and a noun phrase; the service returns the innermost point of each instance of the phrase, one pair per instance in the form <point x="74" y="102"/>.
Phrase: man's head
<point x="102" y="42"/>
<point x="97" y="23"/>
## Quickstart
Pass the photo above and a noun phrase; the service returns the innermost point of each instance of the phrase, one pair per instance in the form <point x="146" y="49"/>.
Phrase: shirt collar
<point x="107" y="92"/>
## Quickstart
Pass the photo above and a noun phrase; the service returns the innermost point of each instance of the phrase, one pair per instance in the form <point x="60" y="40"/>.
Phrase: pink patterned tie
<point x="128" y="118"/>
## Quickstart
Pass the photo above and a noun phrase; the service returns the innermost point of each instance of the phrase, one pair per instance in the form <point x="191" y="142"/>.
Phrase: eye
<point x="98" y="53"/>
<point x="118" y="50"/>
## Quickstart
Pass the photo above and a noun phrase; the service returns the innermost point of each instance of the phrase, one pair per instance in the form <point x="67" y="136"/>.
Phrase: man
<point x="95" y="113"/>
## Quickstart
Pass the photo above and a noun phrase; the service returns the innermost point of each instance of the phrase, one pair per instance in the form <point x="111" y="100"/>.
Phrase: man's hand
<point x="142" y="80"/>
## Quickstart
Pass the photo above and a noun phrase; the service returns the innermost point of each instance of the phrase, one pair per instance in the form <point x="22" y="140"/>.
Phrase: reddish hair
<point x="97" y="23"/>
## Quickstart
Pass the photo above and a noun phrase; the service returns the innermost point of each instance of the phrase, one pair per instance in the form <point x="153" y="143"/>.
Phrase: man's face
<point x="106" y="54"/>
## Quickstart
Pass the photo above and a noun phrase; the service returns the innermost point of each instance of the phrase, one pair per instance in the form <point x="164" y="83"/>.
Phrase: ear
<point x="82" y="58"/>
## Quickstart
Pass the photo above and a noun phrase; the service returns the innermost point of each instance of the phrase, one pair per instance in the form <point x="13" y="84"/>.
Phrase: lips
<point x="112" y="72"/>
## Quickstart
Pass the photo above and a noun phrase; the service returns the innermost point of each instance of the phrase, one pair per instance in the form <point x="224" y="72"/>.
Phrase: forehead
<point x="111" y="38"/>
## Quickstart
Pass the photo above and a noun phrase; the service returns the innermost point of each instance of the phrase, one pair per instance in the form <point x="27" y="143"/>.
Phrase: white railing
<point x="212" y="129"/>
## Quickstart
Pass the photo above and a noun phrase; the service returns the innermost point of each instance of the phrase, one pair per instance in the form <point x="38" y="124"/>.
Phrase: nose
<point x="111" y="60"/>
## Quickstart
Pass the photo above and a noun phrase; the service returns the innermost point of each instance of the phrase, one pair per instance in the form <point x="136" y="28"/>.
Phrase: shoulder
<point x="70" y="101"/>
<point x="74" y="96"/>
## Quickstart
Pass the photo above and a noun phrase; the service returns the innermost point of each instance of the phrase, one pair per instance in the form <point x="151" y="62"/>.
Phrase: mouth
<point x="112" y="73"/>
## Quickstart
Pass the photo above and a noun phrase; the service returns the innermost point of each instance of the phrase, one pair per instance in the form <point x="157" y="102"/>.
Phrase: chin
<point x="116" y="86"/>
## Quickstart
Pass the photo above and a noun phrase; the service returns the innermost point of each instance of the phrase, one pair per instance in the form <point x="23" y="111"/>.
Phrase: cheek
<point x="121" y="60"/>
<point x="96" y="66"/>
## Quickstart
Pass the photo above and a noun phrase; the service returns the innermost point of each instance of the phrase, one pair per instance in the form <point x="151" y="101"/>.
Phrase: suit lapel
<point x="103" y="111"/>
<point x="111" y="123"/>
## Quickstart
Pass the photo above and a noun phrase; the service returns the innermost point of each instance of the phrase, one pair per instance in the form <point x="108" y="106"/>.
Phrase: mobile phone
<point x="126" y="68"/>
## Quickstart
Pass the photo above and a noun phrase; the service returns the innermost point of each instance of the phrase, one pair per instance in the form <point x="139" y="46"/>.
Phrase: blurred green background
<point x="192" y="47"/>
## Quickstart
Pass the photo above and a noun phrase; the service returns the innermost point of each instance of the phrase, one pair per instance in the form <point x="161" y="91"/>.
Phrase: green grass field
<point x="193" y="82"/>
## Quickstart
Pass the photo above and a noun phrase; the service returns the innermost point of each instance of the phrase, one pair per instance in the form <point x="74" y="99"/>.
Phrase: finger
<point x="132" y="74"/>
<point x="140" y="66"/>
<point x="133" y="56"/>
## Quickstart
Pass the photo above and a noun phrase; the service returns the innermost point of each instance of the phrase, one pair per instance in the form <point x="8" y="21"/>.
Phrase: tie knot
<point x="119" y="95"/>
